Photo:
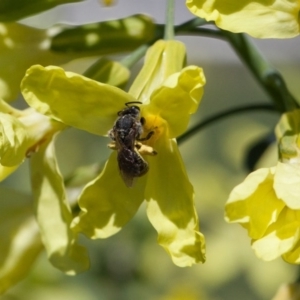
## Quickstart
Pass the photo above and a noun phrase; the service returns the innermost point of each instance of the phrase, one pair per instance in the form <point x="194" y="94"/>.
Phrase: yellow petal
<point x="20" y="242"/>
<point x="293" y="256"/>
<point x="6" y="108"/>
<point x="280" y="237"/>
<point x="287" y="184"/>
<point x="288" y="124"/>
<point x="261" y="19"/>
<point x="171" y="208"/>
<point x="109" y="72"/>
<point x="254" y="204"/>
<point x="54" y="215"/>
<point x="73" y="99"/>
<point x="107" y="204"/>
<point x="287" y="133"/>
<point x="14" y="141"/>
<point x="177" y="99"/>
<point x="6" y="171"/>
<point x="163" y="59"/>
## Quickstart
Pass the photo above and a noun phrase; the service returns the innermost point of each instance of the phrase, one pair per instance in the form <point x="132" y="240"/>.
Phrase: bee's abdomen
<point x="131" y="163"/>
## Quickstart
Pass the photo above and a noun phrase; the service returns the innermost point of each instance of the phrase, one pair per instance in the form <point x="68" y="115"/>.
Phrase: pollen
<point x="155" y="124"/>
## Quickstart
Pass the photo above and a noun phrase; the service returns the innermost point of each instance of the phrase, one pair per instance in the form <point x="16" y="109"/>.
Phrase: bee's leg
<point x="111" y="134"/>
<point x="144" y="149"/>
<point x="148" y="136"/>
<point x="112" y="146"/>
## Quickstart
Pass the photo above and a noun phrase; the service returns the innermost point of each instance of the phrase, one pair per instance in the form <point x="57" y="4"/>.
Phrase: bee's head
<point x="133" y="110"/>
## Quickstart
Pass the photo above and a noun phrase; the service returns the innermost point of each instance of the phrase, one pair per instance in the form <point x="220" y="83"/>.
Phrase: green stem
<point x="190" y="24"/>
<point x="169" y="27"/>
<point x="269" y="78"/>
<point x="135" y="56"/>
<point x="298" y="277"/>
<point x="207" y="32"/>
<point x="195" y="129"/>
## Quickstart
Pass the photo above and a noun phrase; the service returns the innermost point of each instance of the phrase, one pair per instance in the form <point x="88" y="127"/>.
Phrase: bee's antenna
<point x="133" y="102"/>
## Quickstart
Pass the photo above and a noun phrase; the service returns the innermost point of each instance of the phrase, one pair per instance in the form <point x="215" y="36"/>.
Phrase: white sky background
<point x="89" y="11"/>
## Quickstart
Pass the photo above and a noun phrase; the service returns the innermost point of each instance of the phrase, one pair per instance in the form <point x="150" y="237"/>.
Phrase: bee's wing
<point x="131" y="165"/>
<point x="126" y="163"/>
<point x="127" y="178"/>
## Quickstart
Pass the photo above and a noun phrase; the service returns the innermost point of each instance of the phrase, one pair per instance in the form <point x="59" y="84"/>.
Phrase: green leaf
<point x="106" y="37"/>
<point x="21" y="47"/>
<point x="13" y="10"/>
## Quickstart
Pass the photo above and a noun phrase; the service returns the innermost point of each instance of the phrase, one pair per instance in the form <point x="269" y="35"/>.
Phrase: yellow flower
<point x="168" y="94"/>
<point x="25" y="226"/>
<point x="25" y="134"/>
<point x="22" y="133"/>
<point x="267" y="203"/>
<point x="261" y="19"/>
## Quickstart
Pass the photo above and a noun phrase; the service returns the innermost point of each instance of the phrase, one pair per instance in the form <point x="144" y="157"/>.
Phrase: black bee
<point x="126" y="134"/>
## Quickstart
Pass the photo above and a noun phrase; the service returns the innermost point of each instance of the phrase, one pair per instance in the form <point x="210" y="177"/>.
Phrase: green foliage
<point x="108" y="37"/>
<point x="14" y="10"/>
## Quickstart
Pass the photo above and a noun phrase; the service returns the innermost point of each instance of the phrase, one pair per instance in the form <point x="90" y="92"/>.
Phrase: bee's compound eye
<point x="134" y="111"/>
<point x="135" y="108"/>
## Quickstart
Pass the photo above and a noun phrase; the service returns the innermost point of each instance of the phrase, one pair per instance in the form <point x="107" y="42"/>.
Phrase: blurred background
<point x="131" y="265"/>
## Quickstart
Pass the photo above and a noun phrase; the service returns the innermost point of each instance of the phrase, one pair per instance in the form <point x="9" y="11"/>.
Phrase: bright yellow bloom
<point x="169" y="94"/>
<point x="26" y="134"/>
<point x="22" y="133"/>
<point x="261" y="19"/>
<point x="267" y="203"/>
